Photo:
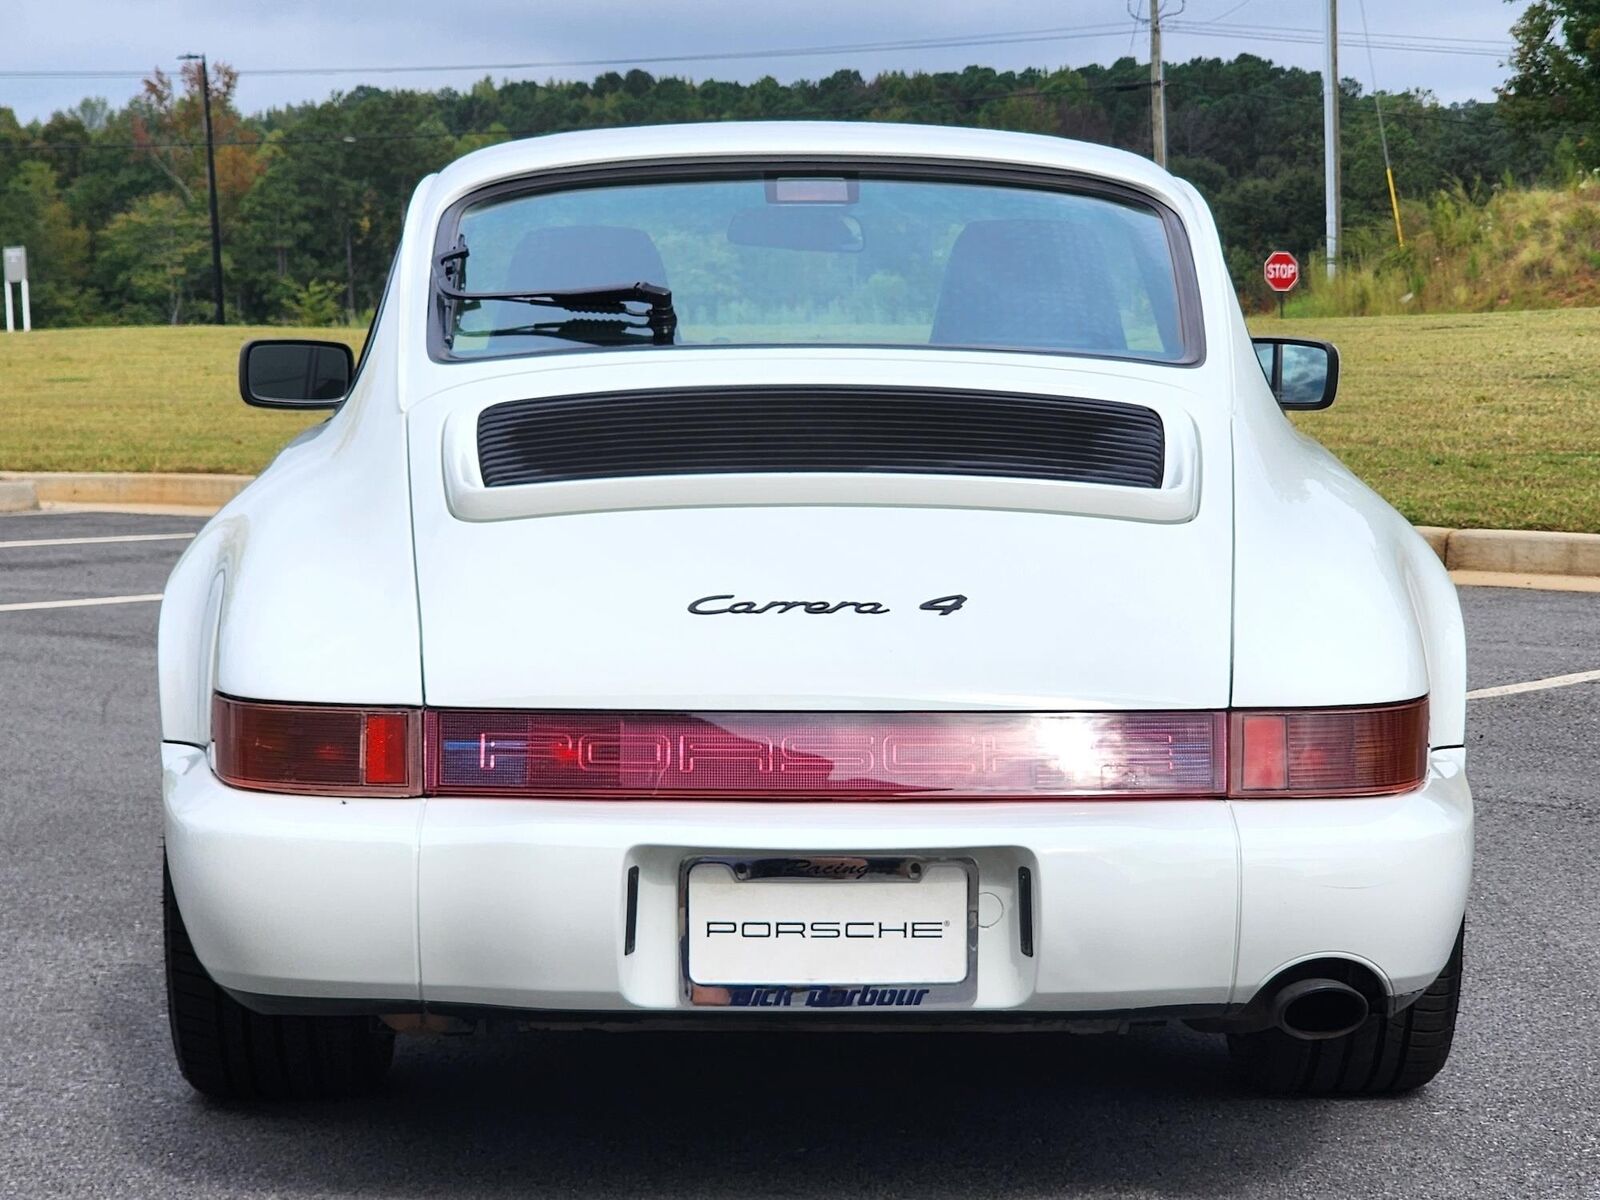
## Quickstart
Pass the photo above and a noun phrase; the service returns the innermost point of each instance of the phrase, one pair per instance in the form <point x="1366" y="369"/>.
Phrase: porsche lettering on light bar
<point x="339" y="750"/>
<point x="825" y="756"/>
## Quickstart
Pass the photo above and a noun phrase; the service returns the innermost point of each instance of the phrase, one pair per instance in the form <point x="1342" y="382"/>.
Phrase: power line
<point x="1319" y="34"/>
<point x="1053" y="33"/>
<point x="1224" y="16"/>
<point x="1274" y="92"/>
<point x="1403" y="37"/>
<point x="1430" y="44"/>
<point x="1470" y="47"/>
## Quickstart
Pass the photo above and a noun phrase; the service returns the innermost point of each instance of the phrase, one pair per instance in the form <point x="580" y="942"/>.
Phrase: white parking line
<point x="95" y="541"/>
<point x="86" y="603"/>
<point x="1536" y="685"/>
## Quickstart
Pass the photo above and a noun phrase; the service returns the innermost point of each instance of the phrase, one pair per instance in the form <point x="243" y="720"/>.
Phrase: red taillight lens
<point x="1263" y="756"/>
<point x="825" y="756"/>
<point x="387" y="758"/>
<point x="318" y="749"/>
<point x="1330" y="752"/>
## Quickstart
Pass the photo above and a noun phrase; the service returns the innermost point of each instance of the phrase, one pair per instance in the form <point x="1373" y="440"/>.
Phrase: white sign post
<point x="16" y="271"/>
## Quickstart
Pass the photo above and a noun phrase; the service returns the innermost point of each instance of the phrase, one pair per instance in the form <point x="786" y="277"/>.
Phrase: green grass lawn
<point x="1486" y="420"/>
<point x="158" y="398"/>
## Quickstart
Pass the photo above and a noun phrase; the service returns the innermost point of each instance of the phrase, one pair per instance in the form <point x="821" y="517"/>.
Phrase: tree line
<point x="111" y="202"/>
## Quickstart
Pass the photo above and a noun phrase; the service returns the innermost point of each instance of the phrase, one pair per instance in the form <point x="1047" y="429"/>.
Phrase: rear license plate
<point x="827" y="922"/>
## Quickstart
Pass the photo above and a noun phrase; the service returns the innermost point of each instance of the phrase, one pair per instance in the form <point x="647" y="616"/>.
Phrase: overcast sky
<point x="133" y="36"/>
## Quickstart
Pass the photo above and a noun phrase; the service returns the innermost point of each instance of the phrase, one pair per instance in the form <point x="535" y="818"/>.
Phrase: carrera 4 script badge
<point x="731" y="605"/>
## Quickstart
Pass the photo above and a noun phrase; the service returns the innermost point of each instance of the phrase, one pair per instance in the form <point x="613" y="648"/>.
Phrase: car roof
<point x="799" y="139"/>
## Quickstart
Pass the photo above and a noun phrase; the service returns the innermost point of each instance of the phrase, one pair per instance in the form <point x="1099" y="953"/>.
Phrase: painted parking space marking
<point x="1536" y="685"/>
<point x="97" y="541"/>
<point x="88" y="602"/>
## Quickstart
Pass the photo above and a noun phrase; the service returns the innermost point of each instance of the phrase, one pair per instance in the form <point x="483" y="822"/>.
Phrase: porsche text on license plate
<point x="827" y="921"/>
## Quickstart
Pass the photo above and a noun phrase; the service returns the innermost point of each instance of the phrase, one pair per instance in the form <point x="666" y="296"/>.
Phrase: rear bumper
<point x="523" y="904"/>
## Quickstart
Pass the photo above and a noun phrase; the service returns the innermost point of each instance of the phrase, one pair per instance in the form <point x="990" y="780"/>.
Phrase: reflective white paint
<point x="522" y="903"/>
<point x="591" y="610"/>
<point x="368" y="565"/>
<point x="295" y="895"/>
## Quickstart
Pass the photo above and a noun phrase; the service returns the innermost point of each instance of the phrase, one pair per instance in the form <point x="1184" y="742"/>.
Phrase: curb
<point x="1515" y="551"/>
<point x="96" y="487"/>
<point x="1527" y="553"/>
<point x="1502" y="551"/>
<point x="1438" y="538"/>
<point x="18" y="495"/>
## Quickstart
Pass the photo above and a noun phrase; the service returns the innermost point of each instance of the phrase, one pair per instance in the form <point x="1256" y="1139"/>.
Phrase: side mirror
<point x="291" y="373"/>
<point x="1304" y="374"/>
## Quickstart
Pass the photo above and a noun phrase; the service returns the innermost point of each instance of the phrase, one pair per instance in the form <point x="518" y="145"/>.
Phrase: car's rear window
<point x="776" y="260"/>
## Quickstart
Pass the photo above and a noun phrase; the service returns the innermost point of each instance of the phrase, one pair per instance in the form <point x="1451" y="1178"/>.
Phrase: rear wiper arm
<point x="623" y="299"/>
<point x="596" y="331"/>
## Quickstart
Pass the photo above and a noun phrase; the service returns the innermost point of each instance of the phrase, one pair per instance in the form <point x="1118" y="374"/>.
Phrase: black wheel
<point x="1384" y="1057"/>
<point x="230" y="1053"/>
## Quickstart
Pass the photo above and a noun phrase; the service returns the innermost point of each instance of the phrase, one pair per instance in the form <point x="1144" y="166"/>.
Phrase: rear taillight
<point x="319" y="749"/>
<point x="825" y="756"/>
<point x="345" y="751"/>
<point x="1329" y="751"/>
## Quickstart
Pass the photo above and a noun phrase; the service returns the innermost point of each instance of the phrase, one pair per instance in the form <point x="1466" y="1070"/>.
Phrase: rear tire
<point x="1386" y="1056"/>
<point x="228" y="1052"/>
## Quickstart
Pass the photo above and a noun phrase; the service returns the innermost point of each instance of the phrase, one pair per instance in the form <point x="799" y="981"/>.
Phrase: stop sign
<point x="1281" y="270"/>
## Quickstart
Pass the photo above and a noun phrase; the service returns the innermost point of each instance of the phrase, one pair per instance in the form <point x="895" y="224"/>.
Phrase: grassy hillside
<point x="1477" y="420"/>
<point x="1510" y="250"/>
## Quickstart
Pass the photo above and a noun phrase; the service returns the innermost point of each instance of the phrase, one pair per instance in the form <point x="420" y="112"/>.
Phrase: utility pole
<point x="1158" y="89"/>
<point x="1330" y="137"/>
<point x="211" y="185"/>
<point x="349" y="275"/>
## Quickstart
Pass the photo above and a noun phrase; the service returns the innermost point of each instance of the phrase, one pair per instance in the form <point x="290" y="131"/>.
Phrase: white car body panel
<point x="1135" y="614"/>
<point x="257" y="873"/>
<point x="521" y="904"/>
<point x="319" y="602"/>
<point x="1322" y="566"/>
<point x="369" y="565"/>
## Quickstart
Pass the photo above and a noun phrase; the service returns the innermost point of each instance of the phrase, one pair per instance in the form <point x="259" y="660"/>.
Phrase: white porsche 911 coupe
<point x="820" y="577"/>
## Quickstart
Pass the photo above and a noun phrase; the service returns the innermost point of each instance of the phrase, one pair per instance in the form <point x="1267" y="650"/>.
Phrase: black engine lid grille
<point x="899" y="431"/>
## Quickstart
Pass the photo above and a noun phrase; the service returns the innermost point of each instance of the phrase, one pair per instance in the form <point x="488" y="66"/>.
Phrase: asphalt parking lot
<point x="91" y="1105"/>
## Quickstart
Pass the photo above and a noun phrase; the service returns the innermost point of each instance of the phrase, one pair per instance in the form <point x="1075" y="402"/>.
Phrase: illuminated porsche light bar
<point x="825" y="756"/>
<point x="821" y="756"/>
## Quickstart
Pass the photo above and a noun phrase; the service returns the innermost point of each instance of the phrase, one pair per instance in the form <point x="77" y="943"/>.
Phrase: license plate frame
<point x="832" y="870"/>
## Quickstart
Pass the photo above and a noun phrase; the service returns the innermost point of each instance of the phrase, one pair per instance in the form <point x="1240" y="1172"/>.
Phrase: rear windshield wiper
<point x="593" y="331"/>
<point x="623" y="299"/>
